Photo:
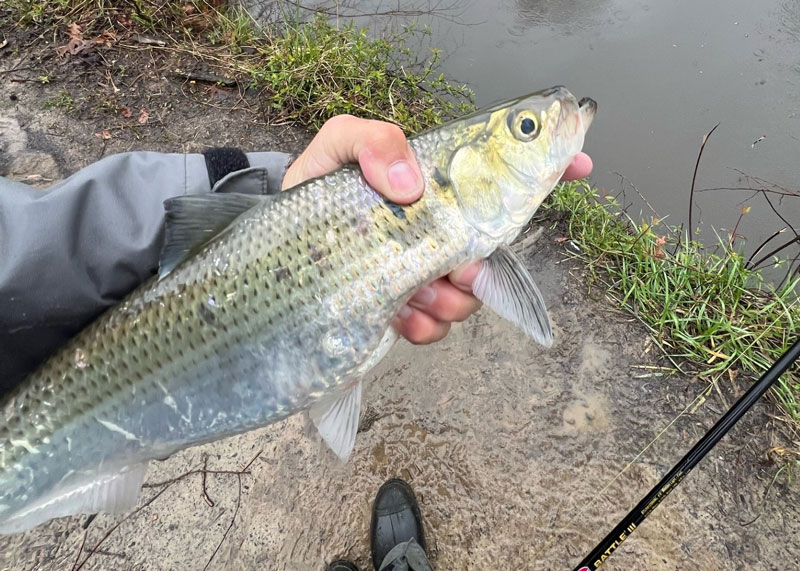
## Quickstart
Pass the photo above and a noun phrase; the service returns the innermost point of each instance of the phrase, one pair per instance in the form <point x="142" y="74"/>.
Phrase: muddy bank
<point x="507" y="444"/>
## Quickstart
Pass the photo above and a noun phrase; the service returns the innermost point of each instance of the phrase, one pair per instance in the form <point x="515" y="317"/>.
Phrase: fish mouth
<point x="588" y="109"/>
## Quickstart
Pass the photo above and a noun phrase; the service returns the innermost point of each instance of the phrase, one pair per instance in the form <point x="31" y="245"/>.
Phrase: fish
<point x="266" y="306"/>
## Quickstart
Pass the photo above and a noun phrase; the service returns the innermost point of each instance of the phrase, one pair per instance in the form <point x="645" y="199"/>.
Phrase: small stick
<point x="775" y="251"/>
<point x="236" y="511"/>
<point x="694" y="176"/>
<point x="204" y="492"/>
<point x="94" y="549"/>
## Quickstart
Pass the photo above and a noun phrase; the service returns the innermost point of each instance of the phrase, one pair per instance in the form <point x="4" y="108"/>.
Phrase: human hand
<point x="390" y="167"/>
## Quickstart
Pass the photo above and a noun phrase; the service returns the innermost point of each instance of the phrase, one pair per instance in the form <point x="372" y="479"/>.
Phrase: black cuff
<point x="221" y="161"/>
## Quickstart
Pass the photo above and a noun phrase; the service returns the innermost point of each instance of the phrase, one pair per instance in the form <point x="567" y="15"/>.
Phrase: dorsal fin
<point x="194" y="220"/>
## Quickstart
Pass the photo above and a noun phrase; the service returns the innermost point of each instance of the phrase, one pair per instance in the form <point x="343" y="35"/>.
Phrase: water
<point x="664" y="73"/>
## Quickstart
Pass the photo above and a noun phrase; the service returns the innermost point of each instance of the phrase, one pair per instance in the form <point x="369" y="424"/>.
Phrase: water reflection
<point x="568" y="15"/>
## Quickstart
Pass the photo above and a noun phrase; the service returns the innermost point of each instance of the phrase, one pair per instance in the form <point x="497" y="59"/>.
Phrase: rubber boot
<point x="396" y="521"/>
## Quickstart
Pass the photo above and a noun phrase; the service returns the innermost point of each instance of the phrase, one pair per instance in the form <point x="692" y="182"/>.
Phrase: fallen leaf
<point x="125" y="112"/>
<point x="106" y="38"/>
<point x="215" y="91"/>
<point x="560" y="240"/>
<point x="143" y="116"/>
<point x="105" y="134"/>
<point x="74" y="31"/>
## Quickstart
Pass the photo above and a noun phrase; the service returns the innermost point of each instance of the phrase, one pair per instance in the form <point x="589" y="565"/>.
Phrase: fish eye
<point x="525" y="126"/>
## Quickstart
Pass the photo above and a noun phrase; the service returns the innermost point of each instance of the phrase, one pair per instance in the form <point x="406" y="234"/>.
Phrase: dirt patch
<point x="513" y="449"/>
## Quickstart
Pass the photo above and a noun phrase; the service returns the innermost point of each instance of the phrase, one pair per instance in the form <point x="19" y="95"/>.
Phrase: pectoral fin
<point x="505" y="286"/>
<point x="338" y="422"/>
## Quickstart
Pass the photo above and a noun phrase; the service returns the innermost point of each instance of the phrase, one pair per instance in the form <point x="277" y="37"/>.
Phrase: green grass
<point x="306" y="72"/>
<point x="63" y="101"/>
<point x="702" y="305"/>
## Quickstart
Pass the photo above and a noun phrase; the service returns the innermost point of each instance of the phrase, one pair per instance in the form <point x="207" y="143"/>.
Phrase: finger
<point x="580" y="167"/>
<point x="462" y="277"/>
<point x="445" y="302"/>
<point x="418" y="327"/>
<point x="380" y="148"/>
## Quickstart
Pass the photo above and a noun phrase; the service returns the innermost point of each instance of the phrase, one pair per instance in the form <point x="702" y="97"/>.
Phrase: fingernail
<point x="403" y="179"/>
<point x="424" y="297"/>
<point x="404" y="313"/>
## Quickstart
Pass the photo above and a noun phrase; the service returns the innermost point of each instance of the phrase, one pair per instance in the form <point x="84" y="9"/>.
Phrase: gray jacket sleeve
<point x="69" y="252"/>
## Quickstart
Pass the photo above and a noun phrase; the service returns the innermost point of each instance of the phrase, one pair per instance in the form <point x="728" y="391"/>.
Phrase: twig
<point x="775" y="251"/>
<point x="16" y="65"/>
<point x="405" y="13"/>
<point x="80" y="550"/>
<point x="734" y="235"/>
<point x="204" y="77"/>
<point x="166" y="484"/>
<point x="778" y="214"/>
<point x="235" y="511"/>
<point x="763" y="244"/>
<point x="204" y="492"/>
<point x="94" y="549"/>
<point x="750" y="189"/>
<point x="694" y="176"/>
<point x="633" y="186"/>
<point x="187" y="474"/>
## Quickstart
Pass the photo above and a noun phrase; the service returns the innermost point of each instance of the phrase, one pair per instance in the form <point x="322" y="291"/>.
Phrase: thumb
<point x="380" y="149"/>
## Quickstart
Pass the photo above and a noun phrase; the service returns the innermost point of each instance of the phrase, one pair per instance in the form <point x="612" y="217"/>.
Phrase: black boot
<point x="395" y="519"/>
<point x="341" y="565"/>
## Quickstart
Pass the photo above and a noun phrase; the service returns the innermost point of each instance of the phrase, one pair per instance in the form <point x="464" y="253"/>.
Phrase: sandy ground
<point x="512" y="449"/>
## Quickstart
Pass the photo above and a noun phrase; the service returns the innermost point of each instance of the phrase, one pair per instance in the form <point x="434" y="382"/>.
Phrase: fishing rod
<point x="644" y="508"/>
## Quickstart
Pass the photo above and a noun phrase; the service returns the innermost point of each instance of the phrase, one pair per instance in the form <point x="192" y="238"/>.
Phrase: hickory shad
<point x="266" y="306"/>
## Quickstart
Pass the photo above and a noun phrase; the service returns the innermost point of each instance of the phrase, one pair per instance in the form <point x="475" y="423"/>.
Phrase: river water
<point x="664" y="73"/>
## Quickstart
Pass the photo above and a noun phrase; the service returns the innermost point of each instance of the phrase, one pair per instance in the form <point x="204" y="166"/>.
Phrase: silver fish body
<point x="283" y="309"/>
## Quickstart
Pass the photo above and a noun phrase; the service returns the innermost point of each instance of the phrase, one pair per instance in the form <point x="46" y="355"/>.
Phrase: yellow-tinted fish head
<point x="510" y="157"/>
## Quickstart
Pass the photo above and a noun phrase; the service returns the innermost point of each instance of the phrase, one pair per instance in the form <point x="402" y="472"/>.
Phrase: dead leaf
<point x="560" y="239"/>
<point x="77" y="43"/>
<point x="143" y="116"/>
<point x="125" y="112"/>
<point x="74" y="31"/>
<point x="657" y="251"/>
<point x="215" y="91"/>
<point x="105" y="135"/>
<point x="106" y="39"/>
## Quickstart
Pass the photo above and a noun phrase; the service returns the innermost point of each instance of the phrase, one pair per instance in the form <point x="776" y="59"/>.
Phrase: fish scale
<point x="153" y="320"/>
<point x="285" y="308"/>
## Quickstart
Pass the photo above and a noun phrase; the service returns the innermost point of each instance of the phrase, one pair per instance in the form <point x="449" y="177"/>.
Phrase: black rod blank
<point x="637" y="515"/>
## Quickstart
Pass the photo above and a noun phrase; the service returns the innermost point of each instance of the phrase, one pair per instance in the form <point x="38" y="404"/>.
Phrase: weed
<point x="702" y="305"/>
<point x="307" y="71"/>
<point x="63" y="101"/>
<point x="316" y="70"/>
